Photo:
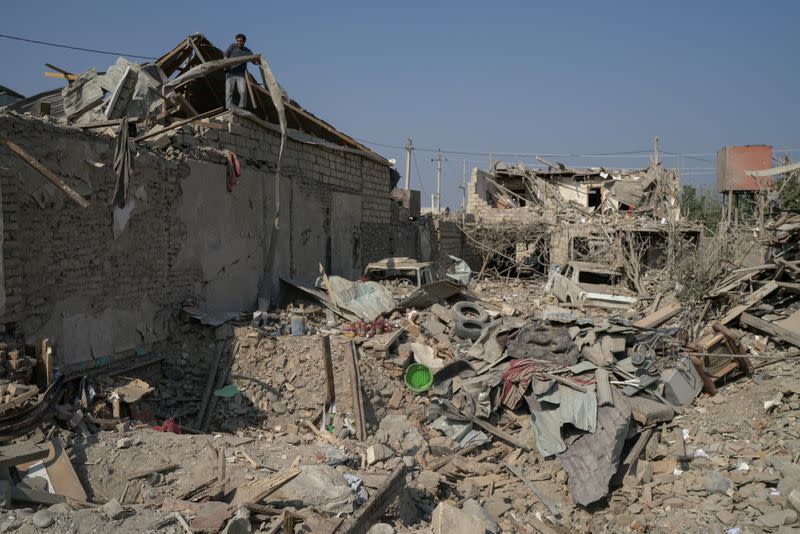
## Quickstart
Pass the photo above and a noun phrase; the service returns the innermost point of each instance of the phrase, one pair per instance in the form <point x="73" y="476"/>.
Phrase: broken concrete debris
<point x="575" y="381"/>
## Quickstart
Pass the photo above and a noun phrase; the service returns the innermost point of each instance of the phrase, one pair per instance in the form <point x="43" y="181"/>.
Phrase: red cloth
<point x="234" y="170"/>
<point x="169" y="426"/>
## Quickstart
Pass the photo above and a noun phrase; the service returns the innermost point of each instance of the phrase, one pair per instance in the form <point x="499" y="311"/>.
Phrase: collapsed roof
<point x="158" y="91"/>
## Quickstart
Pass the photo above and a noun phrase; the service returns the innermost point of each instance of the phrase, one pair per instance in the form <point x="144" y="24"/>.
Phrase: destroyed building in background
<point x="530" y="218"/>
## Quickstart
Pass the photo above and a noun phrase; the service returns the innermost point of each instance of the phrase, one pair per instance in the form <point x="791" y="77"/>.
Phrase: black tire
<point x="468" y="329"/>
<point x="469" y="311"/>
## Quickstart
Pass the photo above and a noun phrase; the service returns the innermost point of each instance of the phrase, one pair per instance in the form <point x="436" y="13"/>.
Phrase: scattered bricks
<point x="447" y="518"/>
<point x="404" y="351"/>
<point x="433" y="327"/>
<point x="378" y="453"/>
<point x="396" y="399"/>
<point x="410" y="327"/>
<point x="444" y="314"/>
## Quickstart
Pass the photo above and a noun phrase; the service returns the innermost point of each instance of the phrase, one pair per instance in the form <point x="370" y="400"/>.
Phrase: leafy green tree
<point x="788" y="188"/>
<point x="701" y="205"/>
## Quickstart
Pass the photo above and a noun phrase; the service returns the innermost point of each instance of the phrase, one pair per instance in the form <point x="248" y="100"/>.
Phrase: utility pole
<point x="436" y="206"/>
<point x="409" y="148"/>
<point x="464" y="188"/>
<point x="655" y="151"/>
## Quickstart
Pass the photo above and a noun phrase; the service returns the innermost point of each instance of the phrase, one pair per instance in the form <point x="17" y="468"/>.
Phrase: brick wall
<point x="63" y="258"/>
<point x="321" y="167"/>
<point x="62" y="251"/>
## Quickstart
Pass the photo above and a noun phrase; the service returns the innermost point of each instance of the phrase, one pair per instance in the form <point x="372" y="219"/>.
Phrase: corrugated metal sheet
<point x="733" y="162"/>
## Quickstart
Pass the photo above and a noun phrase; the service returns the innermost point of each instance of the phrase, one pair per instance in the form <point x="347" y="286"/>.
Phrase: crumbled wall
<point x="187" y="241"/>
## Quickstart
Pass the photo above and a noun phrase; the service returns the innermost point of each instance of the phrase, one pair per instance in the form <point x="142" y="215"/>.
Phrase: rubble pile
<point x="551" y="417"/>
<point x="414" y="400"/>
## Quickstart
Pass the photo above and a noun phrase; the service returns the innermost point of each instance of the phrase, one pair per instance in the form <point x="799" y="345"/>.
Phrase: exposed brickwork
<point x="323" y="168"/>
<point x="63" y="252"/>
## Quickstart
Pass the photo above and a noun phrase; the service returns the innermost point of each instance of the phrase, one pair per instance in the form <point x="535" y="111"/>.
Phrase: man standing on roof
<point x="234" y="76"/>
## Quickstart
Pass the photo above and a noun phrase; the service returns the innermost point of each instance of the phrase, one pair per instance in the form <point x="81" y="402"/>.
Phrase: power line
<point x="622" y="154"/>
<point x="57" y="45"/>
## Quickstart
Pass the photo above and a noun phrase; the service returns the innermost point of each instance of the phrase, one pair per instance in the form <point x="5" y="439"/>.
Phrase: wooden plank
<point x="712" y="339"/>
<point x="788" y="265"/>
<point x="87" y="108"/>
<point x="384" y="342"/>
<point x="355" y="390"/>
<point x="700" y="367"/>
<point x="106" y="124"/>
<point x="327" y="362"/>
<point x="185" y="104"/>
<point x="19" y="400"/>
<point x="534" y="489"/>
<point x="440" y="463"/>
<point x="772" y="329"/>
<point x="756" y="297"/>
<point x="69" y="77"/>
<point x="275" y="482"/>
<point x="505" y="436"/>
<point x="229" y="354"/>
<point x="47" y="173"/>
<point x="373" y="510"/>
<point x="208" y="390"/>
<point x="633" y="456"/>
<point x="790" y="286"/>
<point x="180" y="123"/>
<point x="62" y="474"/>
<point x="659" y="317"/>
<point x="735" y="346"/>
<point x="249" y="82"/>
<point x="60" y="70"/>
<point x="733" y="284"/>
<point x="162" y="468"/>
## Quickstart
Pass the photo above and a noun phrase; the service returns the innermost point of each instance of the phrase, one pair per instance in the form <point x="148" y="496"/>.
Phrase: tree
<point x="788" y="188"/>
<point x="701" y="205"/>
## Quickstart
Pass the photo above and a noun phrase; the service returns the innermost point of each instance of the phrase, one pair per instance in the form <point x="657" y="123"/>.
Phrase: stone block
<point x="446" y="518"/>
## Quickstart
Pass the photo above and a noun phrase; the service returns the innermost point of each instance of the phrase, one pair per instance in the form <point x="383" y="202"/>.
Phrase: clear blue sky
<point x="513" y="77"/>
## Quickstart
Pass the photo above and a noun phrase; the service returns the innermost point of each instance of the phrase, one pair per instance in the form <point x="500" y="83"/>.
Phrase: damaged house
<point x="131" y="194"/>
<point x="526" y="219"/>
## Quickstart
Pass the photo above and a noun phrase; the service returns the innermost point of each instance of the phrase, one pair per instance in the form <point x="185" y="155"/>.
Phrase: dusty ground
<point x="739" y="471"/>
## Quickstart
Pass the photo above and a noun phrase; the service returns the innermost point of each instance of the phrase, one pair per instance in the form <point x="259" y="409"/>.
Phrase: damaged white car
<point x="590" y="284"/>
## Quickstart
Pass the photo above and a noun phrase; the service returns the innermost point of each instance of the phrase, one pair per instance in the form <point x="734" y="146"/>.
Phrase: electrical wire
<point x="622" y="154"/>
<point x="57" y="45"/>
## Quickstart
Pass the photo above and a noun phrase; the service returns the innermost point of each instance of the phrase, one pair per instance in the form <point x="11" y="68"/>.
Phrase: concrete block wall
<point x="451" y="241"/>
